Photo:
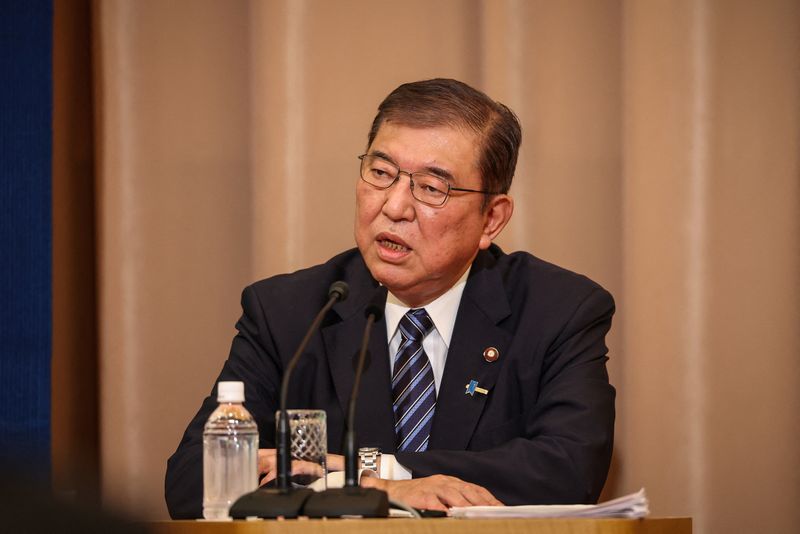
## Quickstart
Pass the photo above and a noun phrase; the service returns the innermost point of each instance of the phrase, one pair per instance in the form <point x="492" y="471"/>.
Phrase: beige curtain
<point x="660" y="158"/>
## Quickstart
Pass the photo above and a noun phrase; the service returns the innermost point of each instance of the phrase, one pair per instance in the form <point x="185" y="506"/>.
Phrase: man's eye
<point x="431" y="186"/>
<point x="381" y="174"/>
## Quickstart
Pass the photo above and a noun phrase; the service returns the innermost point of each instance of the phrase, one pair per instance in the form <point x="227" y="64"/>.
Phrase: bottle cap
<point x="230" y="392"/>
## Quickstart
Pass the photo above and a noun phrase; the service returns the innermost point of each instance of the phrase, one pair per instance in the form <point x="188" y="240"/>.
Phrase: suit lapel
<point x="483" y="305"/>
<point x="374" y="419"/>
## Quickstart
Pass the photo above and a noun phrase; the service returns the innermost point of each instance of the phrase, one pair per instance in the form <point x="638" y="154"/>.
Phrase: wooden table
<point x="655" y="525"/>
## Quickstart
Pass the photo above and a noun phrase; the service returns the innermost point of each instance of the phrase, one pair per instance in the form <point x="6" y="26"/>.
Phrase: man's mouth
<point x="392" y="245"/>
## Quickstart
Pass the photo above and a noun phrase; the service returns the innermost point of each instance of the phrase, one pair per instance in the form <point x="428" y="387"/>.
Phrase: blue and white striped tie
<point x="413" y="388"/>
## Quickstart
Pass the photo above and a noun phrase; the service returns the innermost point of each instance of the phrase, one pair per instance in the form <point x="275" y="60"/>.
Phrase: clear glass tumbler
<point x="309" y="442"/>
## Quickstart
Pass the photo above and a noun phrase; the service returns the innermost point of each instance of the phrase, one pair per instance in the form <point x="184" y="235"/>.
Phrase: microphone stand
<point x="283" y="500"/>
<point x="352" y="499"/>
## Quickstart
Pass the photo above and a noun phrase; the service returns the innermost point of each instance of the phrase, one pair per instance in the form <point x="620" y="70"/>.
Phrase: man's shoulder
<point x="527" y="293"/>
<point x="523" y="273"/>
<point x="314" y="280"/>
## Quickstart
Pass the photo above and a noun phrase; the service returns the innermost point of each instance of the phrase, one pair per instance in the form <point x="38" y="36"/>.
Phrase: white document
<point x="634" y="505"/>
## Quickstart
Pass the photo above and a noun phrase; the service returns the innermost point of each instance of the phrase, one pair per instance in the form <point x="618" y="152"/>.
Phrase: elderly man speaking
<point x="487" y="382"/>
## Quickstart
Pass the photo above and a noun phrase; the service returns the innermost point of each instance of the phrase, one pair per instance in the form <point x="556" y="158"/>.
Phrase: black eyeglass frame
<point x="411" y="182"/>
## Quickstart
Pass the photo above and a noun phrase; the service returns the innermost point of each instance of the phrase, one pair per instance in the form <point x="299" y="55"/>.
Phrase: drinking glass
<point x="309" y="441"/>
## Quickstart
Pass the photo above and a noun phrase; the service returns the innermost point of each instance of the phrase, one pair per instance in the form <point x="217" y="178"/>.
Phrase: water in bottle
<point x="230" y="452"/>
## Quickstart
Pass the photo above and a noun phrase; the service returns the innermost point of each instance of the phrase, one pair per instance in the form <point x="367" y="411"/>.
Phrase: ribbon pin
<point x="473" y="388"/>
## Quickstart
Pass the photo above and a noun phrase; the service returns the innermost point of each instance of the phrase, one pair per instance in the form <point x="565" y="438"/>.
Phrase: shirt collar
<point x="442" y="311"/>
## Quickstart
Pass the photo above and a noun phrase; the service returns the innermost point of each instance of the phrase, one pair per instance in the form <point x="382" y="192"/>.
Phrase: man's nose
<point x="399" y="202"/>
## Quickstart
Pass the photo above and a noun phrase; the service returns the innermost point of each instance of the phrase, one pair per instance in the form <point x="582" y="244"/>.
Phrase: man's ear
<point x="496" y="216"/>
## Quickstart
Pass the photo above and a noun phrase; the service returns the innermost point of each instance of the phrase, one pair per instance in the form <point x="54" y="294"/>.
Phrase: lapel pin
<point x="472" y="388"/>
<point x="490" y="354"/>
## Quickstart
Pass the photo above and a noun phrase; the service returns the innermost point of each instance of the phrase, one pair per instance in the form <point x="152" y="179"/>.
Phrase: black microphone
<point x="373" y="313"/>
<point x="353" y="500"/>
<point x="280" y="501"/>
<point x="338" y="291"/>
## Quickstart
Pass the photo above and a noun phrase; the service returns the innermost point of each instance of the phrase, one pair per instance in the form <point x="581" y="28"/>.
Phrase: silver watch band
<point x="369" y="457"/>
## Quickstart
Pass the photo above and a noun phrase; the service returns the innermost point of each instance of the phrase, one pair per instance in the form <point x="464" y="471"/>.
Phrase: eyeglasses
<point x="428" y="188"/>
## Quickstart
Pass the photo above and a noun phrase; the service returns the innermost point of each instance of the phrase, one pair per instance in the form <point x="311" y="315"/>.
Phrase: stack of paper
<point x="630" y="506"/>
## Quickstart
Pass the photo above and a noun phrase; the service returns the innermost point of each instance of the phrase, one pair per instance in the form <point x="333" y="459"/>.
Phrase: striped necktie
<point x="413" y="388"/>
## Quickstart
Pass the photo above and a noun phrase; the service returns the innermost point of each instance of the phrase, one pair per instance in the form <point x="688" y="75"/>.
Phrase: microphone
<point x="373" y="313"/>
<point x="339" y="288"/>
<point x="338" y="291"/>
<point x="280" y="501"/>
<point x="353" y="500"/>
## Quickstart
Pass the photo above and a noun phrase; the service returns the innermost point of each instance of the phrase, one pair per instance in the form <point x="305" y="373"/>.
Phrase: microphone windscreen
<point x="377" y="304"/>
<point x="339" y="288"/>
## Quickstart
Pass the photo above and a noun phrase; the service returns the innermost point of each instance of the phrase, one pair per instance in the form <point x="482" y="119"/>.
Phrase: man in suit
<point x="487" y="381"/>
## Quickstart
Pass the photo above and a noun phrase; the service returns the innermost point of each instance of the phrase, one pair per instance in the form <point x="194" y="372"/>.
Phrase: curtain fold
<point x="660" y="157"/>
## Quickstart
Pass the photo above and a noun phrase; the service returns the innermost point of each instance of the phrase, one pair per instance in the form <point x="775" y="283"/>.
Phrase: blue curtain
<point x="25" y="234"/>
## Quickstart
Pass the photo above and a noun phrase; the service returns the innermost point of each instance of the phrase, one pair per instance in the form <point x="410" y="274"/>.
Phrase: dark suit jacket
<point x="544" y="432"/>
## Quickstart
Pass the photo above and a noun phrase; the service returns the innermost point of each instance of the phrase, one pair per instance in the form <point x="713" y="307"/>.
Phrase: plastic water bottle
<point x="230" y="452"/>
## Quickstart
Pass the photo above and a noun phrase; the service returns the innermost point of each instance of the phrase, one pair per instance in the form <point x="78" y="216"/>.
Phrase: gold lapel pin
<point x="472" y="388"/>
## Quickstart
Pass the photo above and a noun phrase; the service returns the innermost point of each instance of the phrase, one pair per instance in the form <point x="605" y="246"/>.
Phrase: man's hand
<point x="437" y="492"/>
<point x="268" y="465"/>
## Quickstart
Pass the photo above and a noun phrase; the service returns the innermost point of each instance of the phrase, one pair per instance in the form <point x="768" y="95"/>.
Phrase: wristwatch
<point x="370" y="458"/>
